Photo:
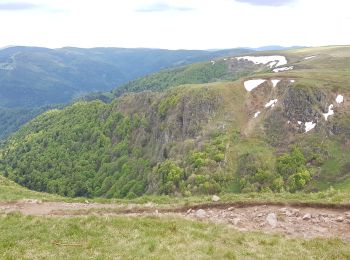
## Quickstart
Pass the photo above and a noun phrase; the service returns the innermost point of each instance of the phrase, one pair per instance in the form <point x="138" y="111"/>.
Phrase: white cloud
<point x="208" y="24"/>
<point x="163" y="7"/>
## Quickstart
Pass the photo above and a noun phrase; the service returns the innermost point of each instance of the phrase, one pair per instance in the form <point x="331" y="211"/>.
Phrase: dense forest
<point x="136" y="145"/>
<point x="199" y="138"/>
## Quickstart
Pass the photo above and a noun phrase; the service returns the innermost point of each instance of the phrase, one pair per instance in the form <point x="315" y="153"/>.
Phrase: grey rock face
<point x="301" y="104"/>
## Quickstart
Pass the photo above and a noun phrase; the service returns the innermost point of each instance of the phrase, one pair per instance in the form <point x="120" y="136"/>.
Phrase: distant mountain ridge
<point x="34" y="78"/>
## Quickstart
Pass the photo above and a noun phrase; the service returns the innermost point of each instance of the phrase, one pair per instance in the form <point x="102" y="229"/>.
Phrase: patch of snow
<point x="275" y="82"/>
<point x="257" y="114"/>
<point x="339" y="99"/>
<point x="271" y="103"/>
<point x="309" y="126"/>
<point x="309" y="57"/>
<point x="283" y="69"/>
<point x="271" y="61"/>
<point x="253" y="83"/>
<point x="329" y="113"/>
<point x="299" y="122"/>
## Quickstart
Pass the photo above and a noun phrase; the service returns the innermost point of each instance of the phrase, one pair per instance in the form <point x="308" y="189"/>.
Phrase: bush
<point x="289" y="164"/>
<point x="219" y="157"/>
<point x="170" y="176"/>
<point x="298" y="181"/>
<point x="197" y="159"/>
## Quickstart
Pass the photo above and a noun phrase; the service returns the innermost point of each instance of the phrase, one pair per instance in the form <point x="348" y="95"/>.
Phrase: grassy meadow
<point x="150" y="238"/>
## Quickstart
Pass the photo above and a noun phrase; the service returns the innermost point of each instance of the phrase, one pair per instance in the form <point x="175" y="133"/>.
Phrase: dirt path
<point x="293" y="220"/>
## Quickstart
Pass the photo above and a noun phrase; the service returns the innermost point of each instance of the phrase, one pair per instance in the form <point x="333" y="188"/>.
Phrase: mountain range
<point x="270" y="121"/>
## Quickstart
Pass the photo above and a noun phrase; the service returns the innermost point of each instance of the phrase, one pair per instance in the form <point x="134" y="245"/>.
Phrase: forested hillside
<point x="98" y="149"/>
<point x="285" y="127"/>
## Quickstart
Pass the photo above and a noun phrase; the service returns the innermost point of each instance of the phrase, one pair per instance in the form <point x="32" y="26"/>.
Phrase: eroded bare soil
<point x="298" y="220"/>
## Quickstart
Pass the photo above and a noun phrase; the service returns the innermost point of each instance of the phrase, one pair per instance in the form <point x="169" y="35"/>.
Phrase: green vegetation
<point x="197" y="73"/>
<point x="10" y="191"/>
<point x="176" y="148"/>
<point x="77" y="156"/>
<point x="149" y="237"/>
<point x="92" y="149"/>
<point x="257" y="173"/>
<point x="190" y="139"/>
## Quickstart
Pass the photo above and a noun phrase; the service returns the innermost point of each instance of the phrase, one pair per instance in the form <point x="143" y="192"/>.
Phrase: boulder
<point x="307" y="216"/>
<point x="201" y="213"/>
<point x="339" y="219"/>
<point x="215" y="198"/>
<point x="271" y="219"/>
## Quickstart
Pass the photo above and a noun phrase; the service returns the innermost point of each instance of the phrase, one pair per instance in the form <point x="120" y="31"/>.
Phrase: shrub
<point x="197" y="159"/>
<point x="289" y="164"/>
<point x="170" y="176"/>
<point x="219" y="157"/>
<point x="298" y="180"/>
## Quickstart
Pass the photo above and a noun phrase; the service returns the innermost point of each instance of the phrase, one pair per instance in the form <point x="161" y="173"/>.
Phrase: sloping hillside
<point x="10" y="191"/>
<point x="285" y="127"/>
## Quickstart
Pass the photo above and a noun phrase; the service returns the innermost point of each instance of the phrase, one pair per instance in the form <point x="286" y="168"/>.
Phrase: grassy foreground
<point x="151" y="238"/>
<point x="92" y="237"/>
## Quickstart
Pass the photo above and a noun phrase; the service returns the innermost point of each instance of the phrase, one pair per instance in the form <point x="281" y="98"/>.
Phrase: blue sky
<point x="174" y="24"/>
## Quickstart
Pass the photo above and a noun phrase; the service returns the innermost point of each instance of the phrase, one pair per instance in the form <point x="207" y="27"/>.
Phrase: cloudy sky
<point x="174" y="24"/>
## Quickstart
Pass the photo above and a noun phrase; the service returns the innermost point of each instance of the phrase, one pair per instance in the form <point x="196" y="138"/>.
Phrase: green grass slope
<point x="11" y="191"/>
<point x="150" y="237"/>
<point x="330" y="65"/>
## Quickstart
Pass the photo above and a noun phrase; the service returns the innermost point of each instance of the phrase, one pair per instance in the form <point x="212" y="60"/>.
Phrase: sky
<point x="174" y="24"/>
